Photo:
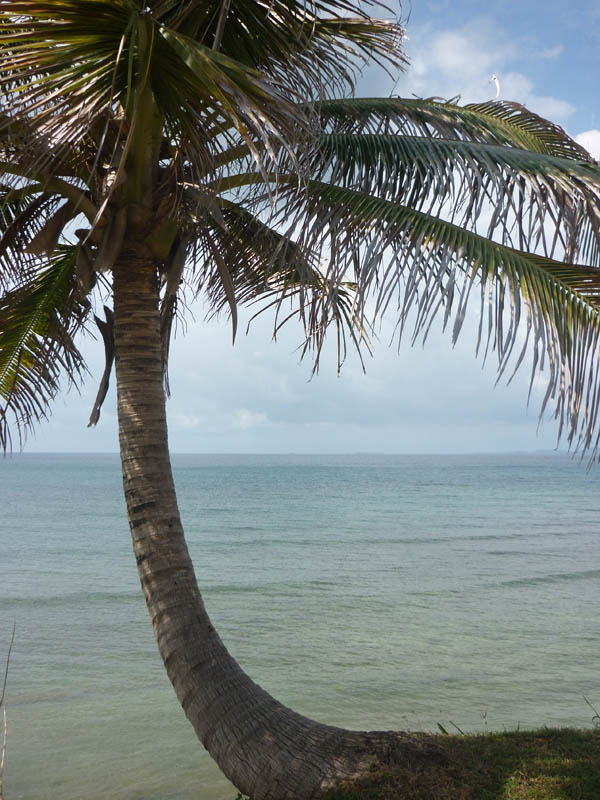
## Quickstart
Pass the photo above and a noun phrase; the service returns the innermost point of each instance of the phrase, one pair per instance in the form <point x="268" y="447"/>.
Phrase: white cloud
<point x="248" y="419"/>
<point x="189" y="421"/>
<point x="451" y="63"/>
<point x="461" y="62"/>
<point x="552" y="52"/>
<point x="591" y="141"/>
<point x="516" y="86"/>
<point x="215" y="419"/>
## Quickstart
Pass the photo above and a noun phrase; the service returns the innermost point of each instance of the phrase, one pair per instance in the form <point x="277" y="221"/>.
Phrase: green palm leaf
<point x="312" y="47"/>
<point x="499" y="121"/>
<point x="553" y="137"/>
<point x="108" y="52"/>
<point x="22" y="214"/>
<point x="38" y="321"/>
<point x="518" y="189"/>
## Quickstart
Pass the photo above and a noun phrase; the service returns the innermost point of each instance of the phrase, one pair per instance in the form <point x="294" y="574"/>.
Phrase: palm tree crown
<point x="218" y="130"/>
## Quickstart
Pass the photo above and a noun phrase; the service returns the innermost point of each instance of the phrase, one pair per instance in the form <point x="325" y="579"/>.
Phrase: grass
<point x="547" y="764"/>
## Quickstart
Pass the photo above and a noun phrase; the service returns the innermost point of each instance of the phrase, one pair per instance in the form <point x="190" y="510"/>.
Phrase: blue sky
<point x="257" y="397"/>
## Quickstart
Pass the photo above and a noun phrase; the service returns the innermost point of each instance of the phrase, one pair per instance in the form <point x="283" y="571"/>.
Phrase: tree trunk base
<point x="327" y="757"/>
<point x="371" y="751"/>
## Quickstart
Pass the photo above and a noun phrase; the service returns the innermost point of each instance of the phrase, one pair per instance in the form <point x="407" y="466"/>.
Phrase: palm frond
<point x="518" y="190"/>
<point x="556" y="141"/>
<point x="62" y="69"/>
<point x="214" y="89"/>
<point x="407" y="260"/>
<point x="271" y="272"/>
<point x="495" y="122"/>
<point x="22" y="215"/>
<point x="57" y="72"/>
<point x="313" y="49"/>
<point x="38" y="321"/>
<point x="586" y="223"/>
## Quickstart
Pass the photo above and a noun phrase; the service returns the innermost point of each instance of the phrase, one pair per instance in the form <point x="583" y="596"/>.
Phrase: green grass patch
<point x="547" y="764"/>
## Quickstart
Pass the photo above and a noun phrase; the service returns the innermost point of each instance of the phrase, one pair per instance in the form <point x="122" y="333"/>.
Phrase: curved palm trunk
<point x="264" y="748"/>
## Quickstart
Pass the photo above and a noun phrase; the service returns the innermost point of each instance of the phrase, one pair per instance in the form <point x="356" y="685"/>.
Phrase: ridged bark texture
<point x="268" y="751"/>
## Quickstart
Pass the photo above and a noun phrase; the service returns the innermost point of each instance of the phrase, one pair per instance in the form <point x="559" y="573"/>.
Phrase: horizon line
<point x="539" y="451"/>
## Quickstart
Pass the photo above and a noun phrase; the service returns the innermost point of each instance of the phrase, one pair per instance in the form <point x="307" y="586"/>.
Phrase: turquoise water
<point x="365" y="591"/>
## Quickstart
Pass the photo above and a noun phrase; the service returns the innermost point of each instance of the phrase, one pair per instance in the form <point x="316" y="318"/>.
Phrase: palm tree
<point x="149" y="147"/>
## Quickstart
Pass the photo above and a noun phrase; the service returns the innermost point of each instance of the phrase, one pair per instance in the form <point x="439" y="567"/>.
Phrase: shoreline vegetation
<point x="543" y="764"/>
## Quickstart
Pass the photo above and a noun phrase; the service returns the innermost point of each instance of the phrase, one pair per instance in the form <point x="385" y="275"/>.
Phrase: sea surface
<point x="366" y="591"/>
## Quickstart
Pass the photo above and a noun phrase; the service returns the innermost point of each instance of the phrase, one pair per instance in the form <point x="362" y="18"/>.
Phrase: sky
<point x="257" y="397"/>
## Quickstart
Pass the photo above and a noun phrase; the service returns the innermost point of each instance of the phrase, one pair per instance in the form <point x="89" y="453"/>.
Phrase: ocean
<point x="381" y="592"/>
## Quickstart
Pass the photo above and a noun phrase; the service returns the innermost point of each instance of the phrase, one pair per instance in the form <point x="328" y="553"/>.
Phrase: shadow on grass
<point x="548" y="764"/>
